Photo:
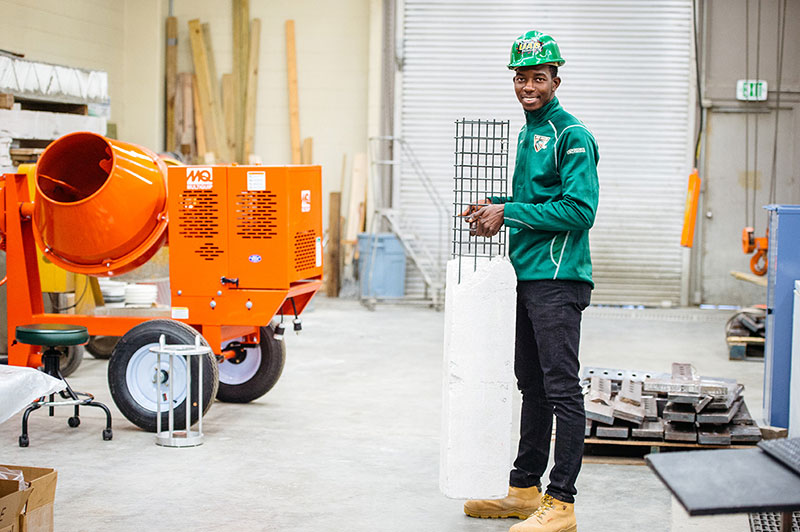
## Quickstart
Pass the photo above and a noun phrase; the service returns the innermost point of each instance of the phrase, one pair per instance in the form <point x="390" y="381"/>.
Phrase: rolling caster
<point x="107" y="434"/>
<point x="23" y="441"/>
<point x="74" y="421"/>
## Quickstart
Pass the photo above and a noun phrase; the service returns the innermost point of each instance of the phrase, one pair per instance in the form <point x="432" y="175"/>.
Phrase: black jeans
<point x="546" y="365"/>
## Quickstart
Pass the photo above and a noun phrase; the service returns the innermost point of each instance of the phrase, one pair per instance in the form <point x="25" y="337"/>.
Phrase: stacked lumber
<point x="677" y="407"/>
<point x="210" y="118"/>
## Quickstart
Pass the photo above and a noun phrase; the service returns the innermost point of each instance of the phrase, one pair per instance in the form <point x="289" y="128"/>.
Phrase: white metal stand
<point x="187" y="437"/>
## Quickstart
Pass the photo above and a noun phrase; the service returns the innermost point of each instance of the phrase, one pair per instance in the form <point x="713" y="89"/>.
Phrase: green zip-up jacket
<point x="554" y="197"/>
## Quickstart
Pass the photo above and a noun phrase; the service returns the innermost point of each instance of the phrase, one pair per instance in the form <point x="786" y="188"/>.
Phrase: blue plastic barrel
<point x="387" y="263"/>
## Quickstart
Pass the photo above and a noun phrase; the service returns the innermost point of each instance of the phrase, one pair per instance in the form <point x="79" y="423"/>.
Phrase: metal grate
<point x="305" y="250"/>
<point x="256" y="215"/>
<point x="771" y="522"/>
<point x="197" y="214"/>
<point x="209" y="251"/>
<point x="481" y="171"/>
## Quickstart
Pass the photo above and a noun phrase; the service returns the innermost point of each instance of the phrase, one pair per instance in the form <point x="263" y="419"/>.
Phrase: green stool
<point x="51" y="336"/>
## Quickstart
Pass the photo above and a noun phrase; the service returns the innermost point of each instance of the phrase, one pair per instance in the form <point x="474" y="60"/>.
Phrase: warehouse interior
<point x="246" y="217"/>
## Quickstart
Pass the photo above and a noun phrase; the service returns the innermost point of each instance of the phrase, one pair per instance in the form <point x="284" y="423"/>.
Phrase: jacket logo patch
<point x="540" y="142"/>
<point x="576" y="150"/>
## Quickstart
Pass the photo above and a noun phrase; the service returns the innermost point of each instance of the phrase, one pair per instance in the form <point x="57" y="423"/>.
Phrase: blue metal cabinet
<point x="784" y="270"/>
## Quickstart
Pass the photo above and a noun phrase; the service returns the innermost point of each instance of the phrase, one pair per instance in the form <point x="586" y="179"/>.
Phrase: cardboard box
<point x="29" y="510"/>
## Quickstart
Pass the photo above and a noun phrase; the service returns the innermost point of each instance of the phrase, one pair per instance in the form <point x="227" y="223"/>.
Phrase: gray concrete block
<point x="651" y="430"/>
<point x="680" y="412"/>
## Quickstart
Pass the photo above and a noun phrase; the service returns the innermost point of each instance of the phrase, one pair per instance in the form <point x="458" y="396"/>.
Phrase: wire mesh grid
<point x="481" y="171"/>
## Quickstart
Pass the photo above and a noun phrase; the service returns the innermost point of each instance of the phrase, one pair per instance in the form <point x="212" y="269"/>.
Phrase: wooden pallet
<point x="632" y="452"/>
<point x="745" y="347"/>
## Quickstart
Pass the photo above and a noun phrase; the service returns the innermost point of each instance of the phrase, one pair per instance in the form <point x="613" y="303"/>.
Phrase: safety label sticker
<point x="180" y="313"/>
<point x="305" y="200"/>
<point x="256" y="181"/>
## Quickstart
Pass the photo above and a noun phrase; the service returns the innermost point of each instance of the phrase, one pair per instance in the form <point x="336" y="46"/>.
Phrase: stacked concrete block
<point x="679" y="407"/>
<point x="480" y="312"/>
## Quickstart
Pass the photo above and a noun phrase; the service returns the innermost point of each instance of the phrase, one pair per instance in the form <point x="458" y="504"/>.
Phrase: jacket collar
<point x="541" y="116"/>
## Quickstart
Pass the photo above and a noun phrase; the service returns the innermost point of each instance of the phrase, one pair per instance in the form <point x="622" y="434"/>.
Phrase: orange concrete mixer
<point x="245" y="245"/>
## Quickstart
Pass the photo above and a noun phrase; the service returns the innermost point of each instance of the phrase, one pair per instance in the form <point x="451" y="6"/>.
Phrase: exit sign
<point x="751" y="90"/>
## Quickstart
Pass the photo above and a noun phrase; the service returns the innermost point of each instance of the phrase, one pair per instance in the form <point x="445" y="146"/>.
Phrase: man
<point x="553" y="205"/>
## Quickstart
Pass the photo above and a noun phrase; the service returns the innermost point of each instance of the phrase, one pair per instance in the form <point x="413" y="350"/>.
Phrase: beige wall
<point x="121" y="37"/>
<point x="332" y="63"/>
<point x="126" y="39"/>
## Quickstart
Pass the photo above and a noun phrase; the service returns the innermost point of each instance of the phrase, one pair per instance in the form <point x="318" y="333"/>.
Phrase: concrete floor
<point x="349" y="438"/>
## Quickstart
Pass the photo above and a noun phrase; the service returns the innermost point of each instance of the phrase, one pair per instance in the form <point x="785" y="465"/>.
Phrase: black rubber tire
<point x="101" y="346"/>
<point x="70" y="362"/>
<point x="273" y="357"/>
<point x="74" y="421"/>
<point x="146" y="333"/>
<point x="24" y="441"/>
<point x="107" y="434"/>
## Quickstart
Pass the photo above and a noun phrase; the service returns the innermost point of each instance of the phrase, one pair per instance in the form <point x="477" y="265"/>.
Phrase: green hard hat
<point x="534" y="48"/>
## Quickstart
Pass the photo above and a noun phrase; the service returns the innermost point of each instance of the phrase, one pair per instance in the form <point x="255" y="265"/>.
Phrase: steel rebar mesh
<point x="481" y="171"/>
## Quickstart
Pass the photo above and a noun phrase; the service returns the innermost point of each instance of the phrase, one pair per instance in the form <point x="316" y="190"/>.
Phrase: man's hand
<point x="475" y="207"/>
<point x="488" y="220"/>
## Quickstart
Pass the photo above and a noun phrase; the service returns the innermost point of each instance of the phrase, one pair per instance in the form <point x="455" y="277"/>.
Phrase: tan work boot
<point x="520" y="502"/>
<point x="551" y="516"/>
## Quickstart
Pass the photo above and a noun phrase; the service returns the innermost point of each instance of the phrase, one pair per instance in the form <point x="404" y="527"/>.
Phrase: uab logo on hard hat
<point x="535" y="48"/>
<point x="529" y="46"/>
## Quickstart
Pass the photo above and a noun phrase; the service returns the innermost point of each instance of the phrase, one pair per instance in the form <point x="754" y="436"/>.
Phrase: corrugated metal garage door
<point x="627" y="76"/>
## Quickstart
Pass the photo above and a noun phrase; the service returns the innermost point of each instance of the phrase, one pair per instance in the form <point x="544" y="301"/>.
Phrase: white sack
<point x="479" y="316"/>
<point x="21" y="386"/>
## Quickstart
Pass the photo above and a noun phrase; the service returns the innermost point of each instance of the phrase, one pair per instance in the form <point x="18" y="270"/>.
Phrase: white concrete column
<point x="478" y="379"/>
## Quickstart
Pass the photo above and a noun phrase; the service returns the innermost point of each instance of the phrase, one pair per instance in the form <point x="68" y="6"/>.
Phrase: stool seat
<point x="52" y="334"/>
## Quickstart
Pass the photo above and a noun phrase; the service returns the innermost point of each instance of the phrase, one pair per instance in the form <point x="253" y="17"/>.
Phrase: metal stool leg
<point x="23" y="439"/>
<point x="107" y="433"/>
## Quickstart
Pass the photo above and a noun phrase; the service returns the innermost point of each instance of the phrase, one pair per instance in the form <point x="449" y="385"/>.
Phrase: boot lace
<point x="544" y="506"/>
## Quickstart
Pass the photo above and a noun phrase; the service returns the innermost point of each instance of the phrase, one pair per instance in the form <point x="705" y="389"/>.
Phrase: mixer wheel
<point x="135" y="381"/>
<point x="248" y="377"/>
<point x="71" y="360"/>
<point x="101" y="346"/>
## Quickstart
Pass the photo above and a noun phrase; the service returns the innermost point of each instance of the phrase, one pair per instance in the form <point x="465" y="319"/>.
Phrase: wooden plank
<point x="202" y="86"/>
<point x="212" y="64"/>
<point x="52" y="107"/>
<point x="294" y="106"/>
<point x="229" y="110"/>
<point x="199" y="126"/>
<point x="750" y="278"/>
<point x="745" y="340"/>
<point x="252" y="88"/>
<point x="184" y="117"/>
<point x="6" y="101"/>
<point x="332" y="260"/>
<point x="209" y="98"/>
<point x="223" y="153"/>
<point x="171" y="73"/>
<point x="306" y="151"/>
<point x="356" y="202"/>
<point x="241" y="45"/>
